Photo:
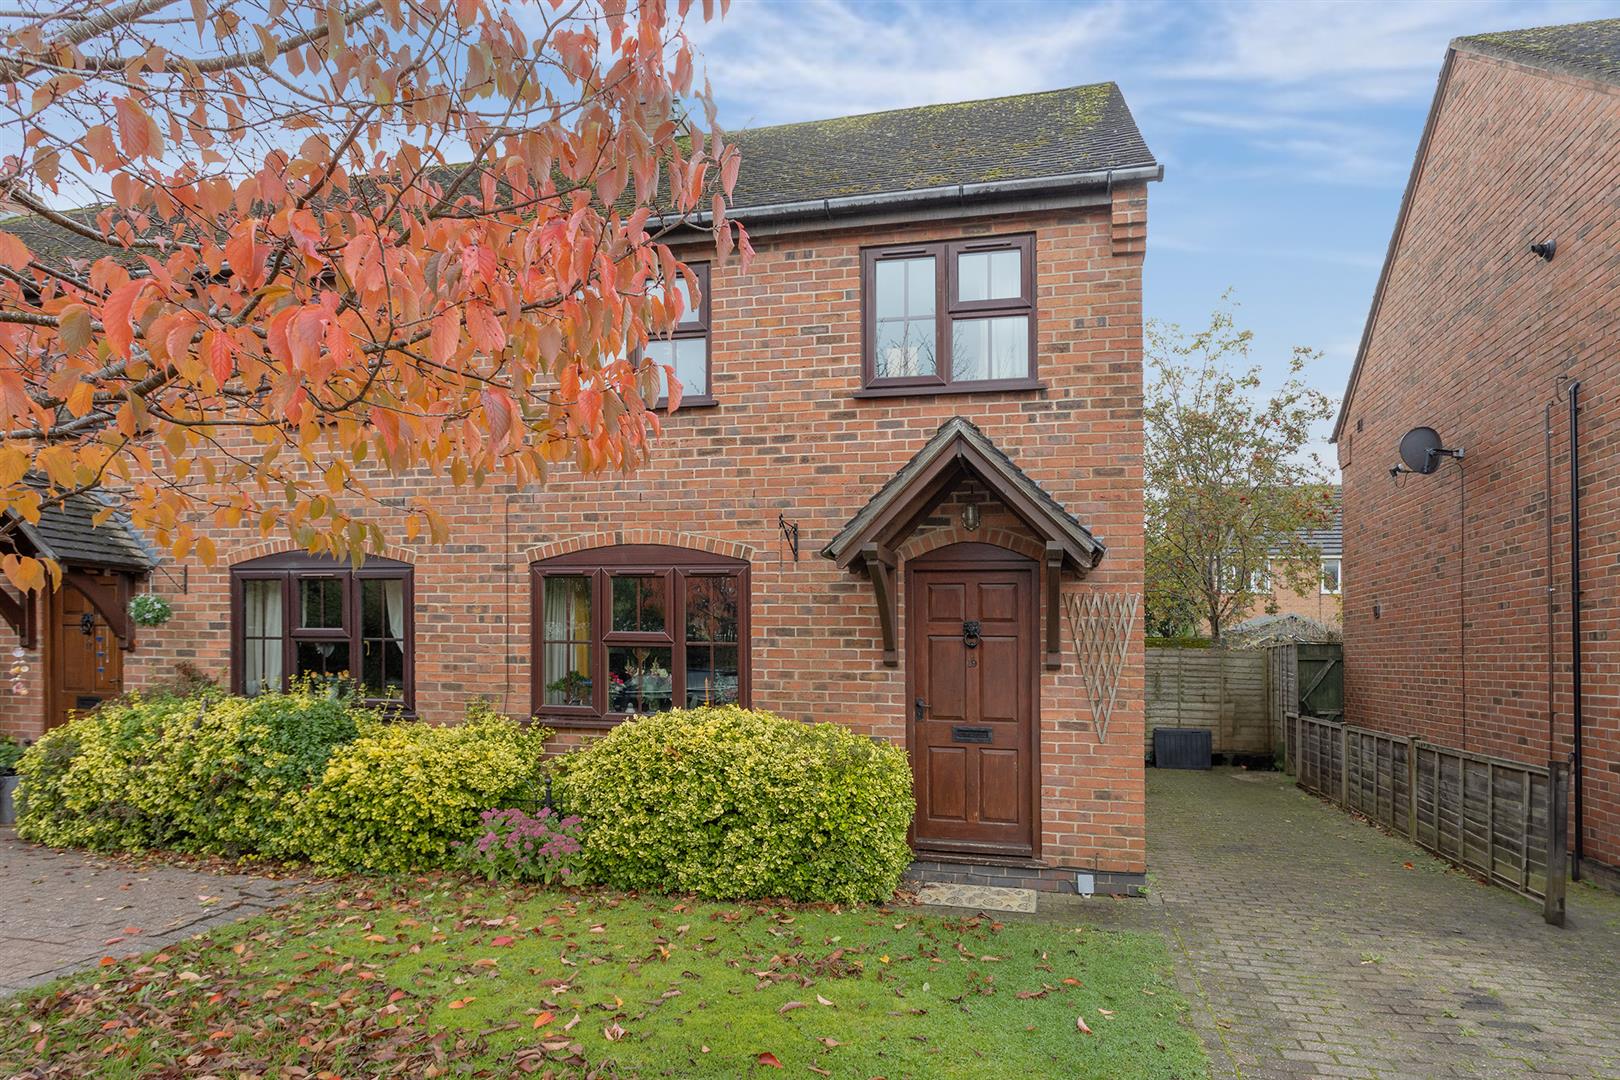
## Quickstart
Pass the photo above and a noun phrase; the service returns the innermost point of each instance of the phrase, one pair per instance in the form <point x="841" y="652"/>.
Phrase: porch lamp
<point x="970" y="517"/>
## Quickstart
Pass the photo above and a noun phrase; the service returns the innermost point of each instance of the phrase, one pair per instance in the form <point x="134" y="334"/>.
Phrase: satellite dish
<point x="1420" y="449"/>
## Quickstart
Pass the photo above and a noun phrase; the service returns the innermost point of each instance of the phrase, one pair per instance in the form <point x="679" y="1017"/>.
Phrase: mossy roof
<point x="1587" y="49"/>
<point x="1022" y="137"/>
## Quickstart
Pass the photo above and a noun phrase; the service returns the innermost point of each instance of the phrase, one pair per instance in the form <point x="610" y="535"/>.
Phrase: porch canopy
<point x="957" y="452"/>
<point x="68" y="533"/>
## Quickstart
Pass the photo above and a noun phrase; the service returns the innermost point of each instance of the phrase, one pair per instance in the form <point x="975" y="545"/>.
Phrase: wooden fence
<point x="1502" y="820"/>
<point x="1224" y="690"/>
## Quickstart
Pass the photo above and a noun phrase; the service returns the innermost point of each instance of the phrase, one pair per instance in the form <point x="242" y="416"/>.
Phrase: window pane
<point x="639" y="679"/>
<point x="383" y="668"/>
<point x="990" y="348"/>
<point x="261" y="632"/>
<point x="711" y="609"/>
<point x="568" y="608"/>
<point x="320" y="603"/>
<point x="690" y="356"/>
<point x="905" y="349"/>
<point x="1330" y="575"/>
<point x="568" y="672"/>
<point x="989" y="275"/>
<point x="689" y="313"/>
<point x="322" y="658"/>
<point x="382" y="608"/>
<point x="905" y="288"/>
<point x="711" y="675"/>
<point x="638" y="604"/>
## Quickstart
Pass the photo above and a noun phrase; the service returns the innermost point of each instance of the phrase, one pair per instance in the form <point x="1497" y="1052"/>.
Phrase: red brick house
<point x="1496" y="323"/>
<point x="911" y="441"/>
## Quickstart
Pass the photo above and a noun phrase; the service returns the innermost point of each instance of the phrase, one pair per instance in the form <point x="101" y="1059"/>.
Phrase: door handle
<point x="920" y="708"/>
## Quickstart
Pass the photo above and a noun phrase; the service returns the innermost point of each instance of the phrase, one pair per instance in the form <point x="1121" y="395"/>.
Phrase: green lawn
<point x="436" y="977"/>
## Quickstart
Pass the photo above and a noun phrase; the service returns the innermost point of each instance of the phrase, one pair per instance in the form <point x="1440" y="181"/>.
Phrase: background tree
<point x="1231" y="482"/>
<point x="265" y="246"/>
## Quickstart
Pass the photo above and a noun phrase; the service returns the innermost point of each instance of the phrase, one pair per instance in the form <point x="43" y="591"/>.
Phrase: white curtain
<point x="394" y="604"/>
<point x="262" y="633"/>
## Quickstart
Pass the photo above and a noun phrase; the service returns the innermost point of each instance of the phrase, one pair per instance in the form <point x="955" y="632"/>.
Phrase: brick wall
<point x="1311" y="603"/>
<point x="1445" y="617"/>
<point x="790" y="438"/>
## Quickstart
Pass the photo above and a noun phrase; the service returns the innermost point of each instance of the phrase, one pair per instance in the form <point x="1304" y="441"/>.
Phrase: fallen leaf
<point x="613" y="1032"/>
<point x="1106" y="1012"/>
<point x="570" y="1025"/>
<point x="503" y="941"/>
<point x="790" y="1006"/>
<point x="768" y="1058"/>
<point x="829" y="1043"/>
<point x="544" y="1018"/>
<point x="821" y="1000"/>
<point x="462" y="1003"/>
<point x="1080" y="1022"/>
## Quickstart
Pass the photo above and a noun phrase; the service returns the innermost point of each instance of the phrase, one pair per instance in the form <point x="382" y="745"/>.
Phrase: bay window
<point x="638" y="629"/>
<point x="296" y="615"/>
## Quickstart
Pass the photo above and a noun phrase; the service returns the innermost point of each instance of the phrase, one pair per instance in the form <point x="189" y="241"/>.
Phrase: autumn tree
<point x="1231" y="480"/>
<point x="264" y="248"/>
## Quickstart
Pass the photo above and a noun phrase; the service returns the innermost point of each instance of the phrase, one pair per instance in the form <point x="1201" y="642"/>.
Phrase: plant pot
<point x="8" y="800"/>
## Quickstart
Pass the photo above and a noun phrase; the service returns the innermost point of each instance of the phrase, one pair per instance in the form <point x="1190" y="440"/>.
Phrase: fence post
<point x="1557" y="841"/>
<point x="1411" y="786"/>
<point x="1344" y="765"/>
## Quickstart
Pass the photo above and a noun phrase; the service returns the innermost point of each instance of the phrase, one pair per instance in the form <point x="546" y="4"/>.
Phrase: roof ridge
<point x="930" y="105"/>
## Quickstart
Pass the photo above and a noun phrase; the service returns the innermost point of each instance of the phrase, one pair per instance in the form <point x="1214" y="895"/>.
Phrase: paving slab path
<point x="64" y="910"/>
<point x="1313" y="944"/>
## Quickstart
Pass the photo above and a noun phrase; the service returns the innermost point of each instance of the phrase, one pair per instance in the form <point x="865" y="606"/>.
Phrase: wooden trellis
<point x="1101" y="624"/>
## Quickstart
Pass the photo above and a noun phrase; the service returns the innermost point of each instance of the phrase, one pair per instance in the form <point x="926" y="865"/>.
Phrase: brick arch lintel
<point x="282" y="546"/>
<point x="670" y="537"/>
<point x="923" y="543"/>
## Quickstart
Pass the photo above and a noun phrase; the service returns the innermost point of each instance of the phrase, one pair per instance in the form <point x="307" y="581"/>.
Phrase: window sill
<point x="694" y="401"/>
<point x="998" y="386"/>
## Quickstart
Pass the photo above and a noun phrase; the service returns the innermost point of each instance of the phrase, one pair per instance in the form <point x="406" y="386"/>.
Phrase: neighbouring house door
<point x="85" y="665"/>
<point x="973" y="686"/>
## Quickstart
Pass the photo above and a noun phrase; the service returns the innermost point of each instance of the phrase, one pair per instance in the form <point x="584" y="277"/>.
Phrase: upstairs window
<point x="1332" y="570"/>
<point x="638" y="629"/>
<point x="294" y="615"/>
<point x="686" y="347"/>
<point x="949" y="316"/>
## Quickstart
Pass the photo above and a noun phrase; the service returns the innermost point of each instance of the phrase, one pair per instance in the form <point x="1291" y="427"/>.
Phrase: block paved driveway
<point x="63" y="910"/>
<point x="1309" y="948"/>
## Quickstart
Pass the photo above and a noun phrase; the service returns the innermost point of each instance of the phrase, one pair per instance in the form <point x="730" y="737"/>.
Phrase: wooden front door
<point x="973" y="686"/>
<point x="85" y="663"/>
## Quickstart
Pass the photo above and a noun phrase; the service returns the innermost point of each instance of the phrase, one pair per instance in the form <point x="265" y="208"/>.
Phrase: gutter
<point x="950" y="194"/>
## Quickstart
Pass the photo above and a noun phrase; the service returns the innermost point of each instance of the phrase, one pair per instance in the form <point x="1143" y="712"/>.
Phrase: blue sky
<point x="1287" y="129"/>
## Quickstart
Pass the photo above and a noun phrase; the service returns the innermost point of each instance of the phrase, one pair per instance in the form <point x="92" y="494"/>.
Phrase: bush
<point x="85" y="783"/>
<point x="512" y="846"/>
<point x="202" y="773"/>
<point x="10" y="751"/>
<point x="231" y="779"/>
<point x="399" y="796"/>
<point x="731" y="803"/>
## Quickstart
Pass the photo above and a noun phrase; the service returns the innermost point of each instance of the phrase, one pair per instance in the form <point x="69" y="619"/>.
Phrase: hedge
<point x="731" y="803"/>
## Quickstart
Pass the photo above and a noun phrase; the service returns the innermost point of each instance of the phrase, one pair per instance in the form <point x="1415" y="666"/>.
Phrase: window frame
<point x="294" y="567"/>
<point x="699" y="325"/>
<point x="600" y="565"/>
<point x="947" y="312"/>
<point x="1339" y="577"/>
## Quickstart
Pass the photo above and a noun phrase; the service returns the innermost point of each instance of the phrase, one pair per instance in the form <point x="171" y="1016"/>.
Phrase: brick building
<point x="1458" y="621"/>
<point x="912" y="434"/>
<point x="1320" y="603"/>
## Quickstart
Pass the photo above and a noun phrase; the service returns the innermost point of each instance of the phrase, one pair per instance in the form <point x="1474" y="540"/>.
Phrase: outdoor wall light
<point x="970" y="517"/>
<point x="1545" y="250"/>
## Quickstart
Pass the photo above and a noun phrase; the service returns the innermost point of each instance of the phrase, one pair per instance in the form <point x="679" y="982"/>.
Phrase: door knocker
<point x="970" y="633"/>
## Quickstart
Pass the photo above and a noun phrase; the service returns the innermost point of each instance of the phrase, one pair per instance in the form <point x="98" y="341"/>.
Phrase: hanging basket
<point x="149" y="609"/>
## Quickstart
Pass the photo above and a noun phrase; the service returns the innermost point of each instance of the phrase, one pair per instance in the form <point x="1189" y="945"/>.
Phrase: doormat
<point x="978" y="897"/>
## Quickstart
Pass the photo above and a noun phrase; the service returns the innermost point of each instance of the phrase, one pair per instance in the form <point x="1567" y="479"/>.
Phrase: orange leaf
<point x="1080" y="1022"/>
<point x="446" y="335"/>
<point x="116" y="315"/>
<point x="544" y="1018"/>
<point x="13" y="252"/>
<point x="462" y="1003"/>
<point x="503" y="941"/>
<point x="768" y="1058"/>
